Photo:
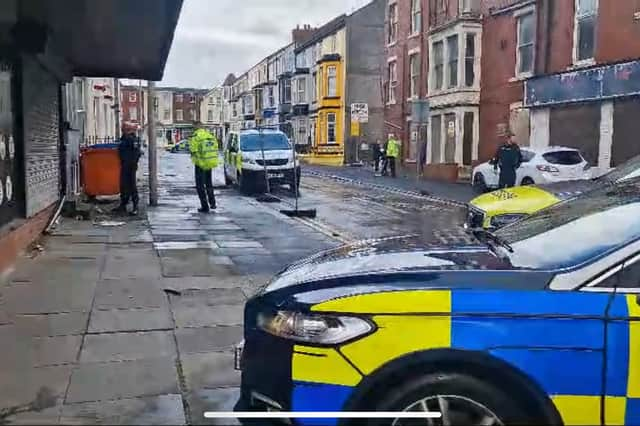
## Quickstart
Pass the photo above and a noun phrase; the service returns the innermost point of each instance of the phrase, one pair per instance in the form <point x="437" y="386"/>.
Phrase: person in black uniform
<point x="508" y="158"/>
<point x="129" y="152"/>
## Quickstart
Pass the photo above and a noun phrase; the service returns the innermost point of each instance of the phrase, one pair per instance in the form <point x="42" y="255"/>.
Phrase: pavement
<point x="121" y="320"/>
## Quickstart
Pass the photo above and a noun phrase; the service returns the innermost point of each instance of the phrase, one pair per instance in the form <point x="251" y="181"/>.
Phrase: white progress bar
<point x="322" y="415"/>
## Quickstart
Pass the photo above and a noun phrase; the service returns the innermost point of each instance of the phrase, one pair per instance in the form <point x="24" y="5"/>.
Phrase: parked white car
<point x="539" y="166"/>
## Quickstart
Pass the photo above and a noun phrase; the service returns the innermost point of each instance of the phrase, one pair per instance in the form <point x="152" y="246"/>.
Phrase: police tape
<point x="322" y="415"/>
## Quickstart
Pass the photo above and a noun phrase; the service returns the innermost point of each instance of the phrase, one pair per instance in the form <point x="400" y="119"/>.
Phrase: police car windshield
<point x="598" y="221"/>
<point x="266" y="141"/>
<point x="627" y="170"/>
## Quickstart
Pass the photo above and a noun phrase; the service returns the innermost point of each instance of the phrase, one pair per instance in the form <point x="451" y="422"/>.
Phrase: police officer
<point x="204" y="155"/>
<point x="508" y="158"/>
<point x="392" y="152"/>
<point x="129" y="152"/>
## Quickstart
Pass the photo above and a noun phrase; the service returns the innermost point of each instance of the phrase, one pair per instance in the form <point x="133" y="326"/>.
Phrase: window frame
<point x="392" y="25"/>
<point x="330" y="78"/>
<point x="133" y="97"/>
<point x="392" y="78"/>
<point x="416" y="17"/>
<point x="414" y="79"/>
<point x="577" y="17"/>
<point x="470" y="61"/>
<point x="179" y="98"/>
<point x="455" y="59"/>
<point x="333" y="124"/>
<point x="179" y="115"/>
<point x="210" y="115"/>
<point x="438" y="67"/>
<point x="525" y="13"/>
<point x="133" y="114"/>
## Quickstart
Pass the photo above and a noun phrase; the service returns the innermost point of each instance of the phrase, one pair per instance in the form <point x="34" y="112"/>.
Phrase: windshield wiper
<point x="483" y="235"/>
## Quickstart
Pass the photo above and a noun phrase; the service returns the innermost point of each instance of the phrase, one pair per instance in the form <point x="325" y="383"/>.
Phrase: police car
<point x="250" y="153"/>
<point x="538" y="323"/>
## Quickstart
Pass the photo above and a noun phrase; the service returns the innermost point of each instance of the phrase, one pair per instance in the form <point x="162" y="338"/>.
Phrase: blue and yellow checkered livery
<point x="582" y="349"/>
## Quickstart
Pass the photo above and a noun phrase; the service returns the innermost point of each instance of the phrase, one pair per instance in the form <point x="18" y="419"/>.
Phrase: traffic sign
<point x="360" y="112"/>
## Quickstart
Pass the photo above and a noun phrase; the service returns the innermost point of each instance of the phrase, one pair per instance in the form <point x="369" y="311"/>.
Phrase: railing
<point x="93" y="140"/>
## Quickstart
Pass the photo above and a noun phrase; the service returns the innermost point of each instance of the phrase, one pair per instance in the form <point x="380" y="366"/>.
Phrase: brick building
<point x="133" y="104"/>
<point x="563" y="73"/>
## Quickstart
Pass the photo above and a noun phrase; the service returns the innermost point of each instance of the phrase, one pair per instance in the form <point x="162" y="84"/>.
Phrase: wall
<point x="41" y="121"/>
<point x="364" y="62"/>
<point x="186" y="106"/>
<point x="499" y="88"/>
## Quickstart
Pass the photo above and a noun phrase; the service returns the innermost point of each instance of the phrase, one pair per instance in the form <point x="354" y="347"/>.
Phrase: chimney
<point x="300" y="35"/>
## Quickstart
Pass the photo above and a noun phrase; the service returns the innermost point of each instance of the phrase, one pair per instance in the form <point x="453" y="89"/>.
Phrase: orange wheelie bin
<point x="100" y="169"/>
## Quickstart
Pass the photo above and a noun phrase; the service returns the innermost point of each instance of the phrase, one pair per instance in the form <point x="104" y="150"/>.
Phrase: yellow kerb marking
<point x="391" y="302"/>
<point x="633" y="384"/>
<point x="326" y="365"/>
<point x="578" y="410"/>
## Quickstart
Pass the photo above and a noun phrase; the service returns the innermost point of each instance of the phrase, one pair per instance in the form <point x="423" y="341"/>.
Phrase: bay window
<point x="332" y="81"/>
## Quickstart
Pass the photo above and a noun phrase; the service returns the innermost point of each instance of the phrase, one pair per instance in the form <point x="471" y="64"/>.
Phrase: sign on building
<point x="360" y="112"/>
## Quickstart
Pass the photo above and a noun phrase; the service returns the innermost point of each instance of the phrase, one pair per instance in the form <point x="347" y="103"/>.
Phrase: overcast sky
<point x="216" y="37"/>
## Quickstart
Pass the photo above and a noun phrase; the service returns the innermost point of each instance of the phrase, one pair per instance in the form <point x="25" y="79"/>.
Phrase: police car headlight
<point x="248" y="160"/>
<point x="505" y="219"/>
<point x="313" y="328"/>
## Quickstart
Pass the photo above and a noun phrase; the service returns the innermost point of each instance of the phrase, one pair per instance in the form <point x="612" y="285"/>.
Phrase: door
<point x="527" y="166"/>
<point x="450" y="138"/>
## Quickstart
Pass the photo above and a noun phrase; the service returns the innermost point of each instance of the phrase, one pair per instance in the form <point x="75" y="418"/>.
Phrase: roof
<point x="229" y="80"/>
<point x="324" y="31"/>
<point x="182" y="89"/>
<point x="102" y="38"/>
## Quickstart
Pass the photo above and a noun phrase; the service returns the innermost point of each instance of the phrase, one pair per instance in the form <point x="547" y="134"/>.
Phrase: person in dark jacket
<point x="129" y="152"/>
<point x="376" y="155"/>
<point x="508" y="159"/>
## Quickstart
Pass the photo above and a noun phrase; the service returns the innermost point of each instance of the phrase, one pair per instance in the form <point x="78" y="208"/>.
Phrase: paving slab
<point x="123" y="268"/>
<point x="198" y="316"/>
<point x="55" y="350"/>
<point x="34" y="388"/>
<point x="266" y="264"/>
<point x="208" y="339"/>
<point x="203" y="283"/>
<point x="26" y="416"/>
<point x="49" y="296"/>
<point x="209" y="370"/>
<point x="240" y="244"/>
<point x="155" y="410"/>
<point x="208" y="298"/>
<point x="60" y="324"/>
<point x="186" y="238"/>
<point x="118" y="380"/>
<point x="127" y="346"/>
<point x="184" y="245"/>
<point x="219" y="399"/>
<point x="114" y="320"/>
<point x="194" y="263"/>
<point x="129" y="293"/>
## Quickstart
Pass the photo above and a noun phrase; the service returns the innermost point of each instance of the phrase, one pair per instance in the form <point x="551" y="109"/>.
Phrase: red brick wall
<point x="126" y="105"/>
<point x="186" y="106"/>
<point x="498" y="90"/>
<point x="14" y="241"/>
<point x="617" y="33"/>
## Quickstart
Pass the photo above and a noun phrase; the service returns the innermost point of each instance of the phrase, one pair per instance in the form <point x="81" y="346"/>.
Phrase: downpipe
<point x="55" y="216"/>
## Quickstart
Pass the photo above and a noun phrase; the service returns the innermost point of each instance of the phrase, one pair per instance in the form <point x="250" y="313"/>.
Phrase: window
<point x="334" y="43"/>
<point x="179" y="97"/>
<point x="469" y="6"/>
<point x="585" y="29"/>
<point x="211" y="100"/>
<point x="438" y="64"/>
<point x="286" y="92"/>
<point x="452" y="51"/>
<point x="470" y="60"/>
<point x="271" y="98"/>
<point x="416" y="16"/>
<point x="133" y="97"/>
<point x="300" y="95"/>
<point x="414" y="82"/>
<point x="320" y="83"/>
<point x="393" y="23"/>
<point x="234" y="109"/>
<point x="331" y="127"/>
<point x="527" y="155"/>
<point x="209" y="115"/>
<point x="526" y="43"/>
<point x="314" y="84"/>
<point x="133" y="114"/>
<point x="192" y="114"/>
<point x="332" y="81"/>
<point x="392" y="75"/>
<point x="179" y="116"/>
<point x="166" y="114"/>
<point x="563" y="158"/>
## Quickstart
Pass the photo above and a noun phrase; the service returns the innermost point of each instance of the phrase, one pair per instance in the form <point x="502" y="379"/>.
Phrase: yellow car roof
<point x="520" y="199"/>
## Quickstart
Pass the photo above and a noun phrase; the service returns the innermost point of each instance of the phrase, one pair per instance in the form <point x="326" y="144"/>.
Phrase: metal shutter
<point x="41" y="136"/>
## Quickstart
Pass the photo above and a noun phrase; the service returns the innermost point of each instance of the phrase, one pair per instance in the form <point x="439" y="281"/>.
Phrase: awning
<point x="114" y="38"/>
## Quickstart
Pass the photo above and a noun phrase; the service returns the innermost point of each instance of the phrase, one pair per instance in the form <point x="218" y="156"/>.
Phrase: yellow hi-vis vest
<point x="393" y="148"/>
<point x="204" y="149"/>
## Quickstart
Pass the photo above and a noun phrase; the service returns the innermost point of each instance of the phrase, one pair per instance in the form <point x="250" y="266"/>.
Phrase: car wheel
<point x="527" y="181"/>
<point x="460" y="398"/>
<point x="479" y="184"/>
